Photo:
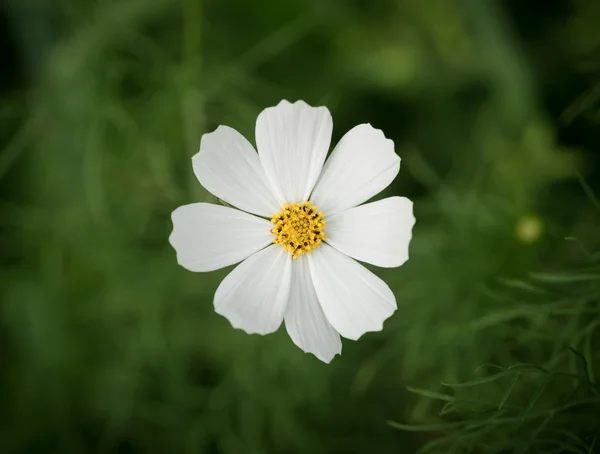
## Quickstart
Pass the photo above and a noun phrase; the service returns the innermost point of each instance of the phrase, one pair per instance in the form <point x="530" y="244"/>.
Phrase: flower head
<point x="299" y="227"/>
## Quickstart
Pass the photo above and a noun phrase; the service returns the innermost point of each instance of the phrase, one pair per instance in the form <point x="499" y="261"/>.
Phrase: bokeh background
<point x="108" y="346"/>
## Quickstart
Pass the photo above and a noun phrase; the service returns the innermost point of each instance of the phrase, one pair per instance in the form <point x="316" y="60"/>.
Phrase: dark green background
<point x="108" y="346"/>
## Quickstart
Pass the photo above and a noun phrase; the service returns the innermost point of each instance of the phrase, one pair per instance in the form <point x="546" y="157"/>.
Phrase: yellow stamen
<point x="299" y="228"/>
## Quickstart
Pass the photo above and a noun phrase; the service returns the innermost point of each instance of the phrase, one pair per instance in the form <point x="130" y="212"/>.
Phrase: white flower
<point x="297" y="263"/>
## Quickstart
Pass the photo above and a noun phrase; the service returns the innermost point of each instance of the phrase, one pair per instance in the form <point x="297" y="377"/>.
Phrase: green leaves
<point x="528" y="414"/>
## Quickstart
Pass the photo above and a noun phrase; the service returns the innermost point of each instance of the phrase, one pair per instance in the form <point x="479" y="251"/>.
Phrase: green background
<point x="108" y="346"/>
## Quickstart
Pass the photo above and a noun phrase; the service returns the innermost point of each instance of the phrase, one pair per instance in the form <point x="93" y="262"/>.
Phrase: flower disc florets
<point x="299" y="228"/>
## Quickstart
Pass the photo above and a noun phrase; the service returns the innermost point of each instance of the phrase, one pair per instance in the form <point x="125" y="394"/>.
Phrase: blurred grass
<point x="108" y="346"/>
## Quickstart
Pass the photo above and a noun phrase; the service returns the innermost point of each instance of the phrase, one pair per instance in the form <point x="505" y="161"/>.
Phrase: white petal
<point x="378" y="233"/>
<point x="292" y="141"/>
<point x="360" y="166"/>
<point x="253" y="297"/>
<point x="207" y="237"/>
<point x="229" y="168"/>
<point x="354" y="300"/>
<point x="304" y="319"/>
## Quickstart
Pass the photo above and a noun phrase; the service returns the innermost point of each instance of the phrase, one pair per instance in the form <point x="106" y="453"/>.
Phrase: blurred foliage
<point x="106" y="345"/>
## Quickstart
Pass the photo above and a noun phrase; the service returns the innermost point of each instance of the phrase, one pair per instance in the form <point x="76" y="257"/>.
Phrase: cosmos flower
<point x="299" y="228"/>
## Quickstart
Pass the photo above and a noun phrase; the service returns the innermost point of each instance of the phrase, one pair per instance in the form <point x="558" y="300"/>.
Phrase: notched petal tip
<point x="299" y="103"/>
<point x="221" y="129"/>
<point x="237" y="324"/>
<point x="325" y="358"/>
<point x="378" y="134"/>
<point x="375" y="328"/>
<point x="208" y="134"/>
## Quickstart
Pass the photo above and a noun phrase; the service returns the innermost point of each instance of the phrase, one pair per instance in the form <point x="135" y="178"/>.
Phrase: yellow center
<point x="299" y="228"/>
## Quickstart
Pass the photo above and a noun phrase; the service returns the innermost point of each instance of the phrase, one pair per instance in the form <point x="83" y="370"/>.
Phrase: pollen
<point x="299" y="228"/>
